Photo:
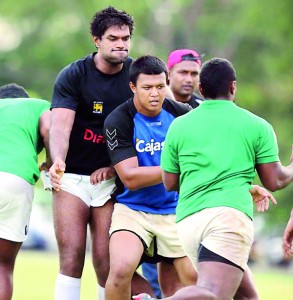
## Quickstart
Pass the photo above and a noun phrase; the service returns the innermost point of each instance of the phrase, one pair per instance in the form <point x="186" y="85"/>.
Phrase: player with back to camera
<point x="25" y="124"/>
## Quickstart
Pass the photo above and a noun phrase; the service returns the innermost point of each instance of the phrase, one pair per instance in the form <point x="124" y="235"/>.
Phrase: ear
<point x="132" y="87"/>
<point x="233" y="87"/>
<point x="96" y="41"/>
<point x="200" y="88"/>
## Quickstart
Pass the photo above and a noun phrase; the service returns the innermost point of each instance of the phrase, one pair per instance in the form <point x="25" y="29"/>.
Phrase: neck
<point x="105" y="66"/>
<point x="182" y="98"/>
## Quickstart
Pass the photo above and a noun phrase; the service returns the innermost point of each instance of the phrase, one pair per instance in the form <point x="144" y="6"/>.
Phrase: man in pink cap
<point x="184" y="66"/>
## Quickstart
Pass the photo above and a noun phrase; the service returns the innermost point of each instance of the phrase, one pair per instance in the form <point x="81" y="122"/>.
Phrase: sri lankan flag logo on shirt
<point x="97" y="107"/>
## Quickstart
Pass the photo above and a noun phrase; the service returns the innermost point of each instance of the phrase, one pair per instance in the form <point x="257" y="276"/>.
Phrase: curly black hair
<point x="108" y="17"/>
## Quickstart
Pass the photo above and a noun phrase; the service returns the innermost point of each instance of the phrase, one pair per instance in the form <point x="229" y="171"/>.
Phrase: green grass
<point x="35" y="274"/>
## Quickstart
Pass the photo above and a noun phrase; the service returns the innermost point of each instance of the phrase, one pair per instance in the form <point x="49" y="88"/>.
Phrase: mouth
<point x="188" y="87"/>
<point x="122" y="51"/>
<point x="154" y="102"/>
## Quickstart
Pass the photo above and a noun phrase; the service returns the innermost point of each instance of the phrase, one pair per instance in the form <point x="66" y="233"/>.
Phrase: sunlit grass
<point x="35" y="274"/>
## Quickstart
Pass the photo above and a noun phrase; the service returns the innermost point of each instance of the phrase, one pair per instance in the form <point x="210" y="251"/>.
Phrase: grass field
<point x="35" y="274"/>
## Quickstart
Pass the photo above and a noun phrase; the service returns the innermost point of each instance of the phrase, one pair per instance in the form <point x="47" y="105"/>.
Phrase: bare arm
<point x="288" y="237"/>
<point x="274" y="176"/>
<point x="135" y="177"/>
<point x="171" y="181"/>
<point x="61" y="126"/>
<point x="44" y="128"/>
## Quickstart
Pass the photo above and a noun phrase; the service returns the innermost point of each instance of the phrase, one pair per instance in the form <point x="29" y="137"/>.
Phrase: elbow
<point x="275" y="186"/>
<point x="169" y="187"/>
<point x="130" y="184"/>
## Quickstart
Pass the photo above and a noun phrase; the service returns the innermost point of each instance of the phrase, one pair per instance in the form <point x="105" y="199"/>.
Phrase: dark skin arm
<point x="44" y="128"/>
<point x="274" y="176"/>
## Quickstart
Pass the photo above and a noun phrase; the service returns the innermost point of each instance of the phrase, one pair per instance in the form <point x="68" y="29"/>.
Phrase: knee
<point x="121" y="274"/>
<point x="71" y="263"/>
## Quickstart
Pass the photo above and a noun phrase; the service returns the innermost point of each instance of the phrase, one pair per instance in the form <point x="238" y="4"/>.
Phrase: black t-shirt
<point x="194" y="101"/>
<point x="92" y="95"/>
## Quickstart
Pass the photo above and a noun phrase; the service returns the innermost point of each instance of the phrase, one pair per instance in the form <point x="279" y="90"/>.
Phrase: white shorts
<point x="16" y="197"/>
<point x="81" y="187"/>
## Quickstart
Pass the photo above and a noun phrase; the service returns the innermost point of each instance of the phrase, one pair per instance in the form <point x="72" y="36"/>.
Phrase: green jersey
<point x="20" y="141"/>
<point x="215" y="148"/>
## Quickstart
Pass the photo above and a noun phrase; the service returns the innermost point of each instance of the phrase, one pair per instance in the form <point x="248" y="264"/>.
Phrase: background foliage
<point x="39" y="38"/>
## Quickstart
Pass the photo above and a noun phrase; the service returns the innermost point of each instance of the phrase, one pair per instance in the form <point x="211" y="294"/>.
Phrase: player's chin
<point x="119" y="59"/>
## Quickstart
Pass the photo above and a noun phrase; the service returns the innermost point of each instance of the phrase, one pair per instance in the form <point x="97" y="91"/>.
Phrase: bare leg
<point x="168" y="279"/>
<point x="8" y="253"/>
<point x="71" y="216"/>
<point x="247" y="288"/>
<point x="140" y="285"/>
<point x="192" y="293"/>
<point x="100" y="225"/>
<point x="125" y="253"/>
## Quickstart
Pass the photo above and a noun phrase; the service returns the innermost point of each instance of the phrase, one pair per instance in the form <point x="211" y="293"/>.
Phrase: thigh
<point x="247" y="288"/>
<point x="71" y="216"/>
<point x="219" y="278"/>
<point x="8" y="253"/>
<point x="126" y="250"/>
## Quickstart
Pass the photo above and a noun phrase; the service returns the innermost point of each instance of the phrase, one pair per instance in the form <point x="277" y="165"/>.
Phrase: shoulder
<point x="122" y="114"/>
<point x="127" y="63"/>
<point x="195" y="101"/>
<point x="176" y="108"/>
<point x="77" y="67"/>
<point x="252" y="118"/>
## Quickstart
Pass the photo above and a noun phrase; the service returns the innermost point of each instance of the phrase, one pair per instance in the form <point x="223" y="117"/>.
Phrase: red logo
<point x="89" y="135"/>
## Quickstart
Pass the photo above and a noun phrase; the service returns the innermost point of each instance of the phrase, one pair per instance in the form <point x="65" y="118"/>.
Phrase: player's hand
<point x="56" y="172"/>
<point x="288" y="237"/>
<point x="102" y="174"/>
<point x="262" y="198"/>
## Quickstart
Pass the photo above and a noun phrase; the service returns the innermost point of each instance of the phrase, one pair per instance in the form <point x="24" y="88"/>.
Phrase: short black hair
<point x="146" y="64"/>
<point x="13" y="90"/>
<point x="215" y="78"/>
<point x="108" y="17"/>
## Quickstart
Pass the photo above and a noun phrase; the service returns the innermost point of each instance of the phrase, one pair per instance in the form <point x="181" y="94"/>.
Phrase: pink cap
<point x="177" y="56"/>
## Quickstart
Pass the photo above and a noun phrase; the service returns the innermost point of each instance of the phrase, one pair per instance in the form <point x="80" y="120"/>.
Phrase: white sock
<point x="67" y="288"/>
<point x="101" y="293"/>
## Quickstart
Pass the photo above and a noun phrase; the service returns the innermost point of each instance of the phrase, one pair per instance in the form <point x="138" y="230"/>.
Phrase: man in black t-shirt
<point x="85" y="92"/>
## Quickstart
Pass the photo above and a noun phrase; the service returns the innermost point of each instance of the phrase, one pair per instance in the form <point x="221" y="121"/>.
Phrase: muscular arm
<point x="62" y="121"/>
<point x="44" y="128"/>
<point x="274" y="176"/>
<point x="61" y="126"/>
<point x="171" y="181"/>
<point x="135" y="177"/>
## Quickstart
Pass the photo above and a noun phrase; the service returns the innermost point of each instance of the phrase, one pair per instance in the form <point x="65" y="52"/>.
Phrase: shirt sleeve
<point x="267" y="147"/>
<point x="66" y="90"/>
<point x="118" y="132"/>
<point x="169" y="157"/>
